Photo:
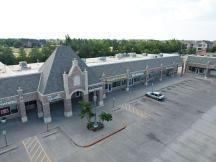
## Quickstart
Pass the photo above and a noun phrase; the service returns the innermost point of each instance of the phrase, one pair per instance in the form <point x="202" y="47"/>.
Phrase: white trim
<point x="92" y="85"/>
<point x="95" y="89"/>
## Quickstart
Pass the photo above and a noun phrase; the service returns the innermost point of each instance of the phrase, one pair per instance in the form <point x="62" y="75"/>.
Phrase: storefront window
<point x="116" y="84"/>
<point x="106" y="86"/>
<point x="123" y="82"/>
<point x="13" y="109"/>
<point x="136" y="79"/>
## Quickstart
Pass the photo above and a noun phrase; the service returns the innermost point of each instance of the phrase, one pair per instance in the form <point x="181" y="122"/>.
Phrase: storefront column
<point x="86" y="98"/>
<point x="100" y="97"/>
<point x="23" y="111"/>
<point x="127" y="85"/>
<point x="161" y="73"/>
<point x="182" y="69"/>
<point x="104" y="84"/>
<point x="46" y="112"/>
<point x="147" y="76"/>
<point x="67" y="108"/>
<point x="104" y="92"/>
<point x="39" y="109"/>
<point x="22" y="108"/>
<point x="128" y="78"/>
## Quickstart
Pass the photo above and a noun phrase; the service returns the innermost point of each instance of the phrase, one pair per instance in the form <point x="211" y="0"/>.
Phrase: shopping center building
<point x="201" y="65"/>
<point x="66" y="78"/>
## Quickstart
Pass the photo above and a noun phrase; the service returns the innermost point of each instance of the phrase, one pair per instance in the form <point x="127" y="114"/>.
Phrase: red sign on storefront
<point x="4" y="111"/>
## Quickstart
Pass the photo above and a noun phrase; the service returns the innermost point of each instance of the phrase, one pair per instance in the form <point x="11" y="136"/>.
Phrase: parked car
<point x="156" y="95"/>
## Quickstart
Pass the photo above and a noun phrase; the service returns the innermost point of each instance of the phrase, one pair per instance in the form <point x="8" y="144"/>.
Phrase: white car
<point x="155" y="95"/>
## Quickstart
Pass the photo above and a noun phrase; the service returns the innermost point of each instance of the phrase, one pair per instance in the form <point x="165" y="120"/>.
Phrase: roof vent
<point x="102" y="58"/>
<point x="23" y="65"/>
<point x="119" y="55"/>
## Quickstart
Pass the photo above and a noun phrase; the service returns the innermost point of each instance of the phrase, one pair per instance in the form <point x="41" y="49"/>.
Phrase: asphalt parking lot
<point x="153" y="127"/>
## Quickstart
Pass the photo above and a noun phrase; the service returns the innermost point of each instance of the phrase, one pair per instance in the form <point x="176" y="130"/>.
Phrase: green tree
<point x="22" y="55"/>
<point x="213" y="49"/>
<point x="6" y="56"/>
<point x="105" y="117"/>
<point x="86" y="111"/>
<point x="46" y="51"/>
<point x="35" y="55"/>
<point x="17" y="44"/>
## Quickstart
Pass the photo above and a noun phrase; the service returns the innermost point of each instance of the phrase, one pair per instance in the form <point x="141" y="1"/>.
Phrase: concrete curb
<point x="8" y="149"/>
<point x="93" y="142"/>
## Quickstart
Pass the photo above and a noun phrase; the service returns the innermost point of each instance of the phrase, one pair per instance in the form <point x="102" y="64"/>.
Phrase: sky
<point x="113" y="19"/>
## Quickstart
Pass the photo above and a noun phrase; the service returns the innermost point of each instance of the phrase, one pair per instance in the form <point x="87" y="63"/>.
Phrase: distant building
<point x="202" y="47"/>
<point x="201" y="65"/>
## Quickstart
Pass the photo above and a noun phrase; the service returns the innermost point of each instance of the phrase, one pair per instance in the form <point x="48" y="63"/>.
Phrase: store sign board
<point x="4" y="111"/>
<point x="137" y="74"/>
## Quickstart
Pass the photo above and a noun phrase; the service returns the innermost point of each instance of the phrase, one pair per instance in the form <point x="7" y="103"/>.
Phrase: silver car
<point x="156" y="95"/>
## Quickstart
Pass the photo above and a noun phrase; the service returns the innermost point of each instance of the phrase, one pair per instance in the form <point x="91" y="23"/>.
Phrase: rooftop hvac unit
<point x="119" y="55"/>
<point x="23" y="65"/>
<point x="102" y="58"/>
<point x="132" y="54"/>
<point x="152" y="55"/>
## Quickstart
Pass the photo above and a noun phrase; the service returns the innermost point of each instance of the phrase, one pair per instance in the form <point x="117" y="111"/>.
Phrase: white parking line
<point x="134" y="110"/>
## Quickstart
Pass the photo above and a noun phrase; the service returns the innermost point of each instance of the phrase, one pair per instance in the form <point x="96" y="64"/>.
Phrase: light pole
<point x="4" y="132"/>
<point x="95" y="111"/>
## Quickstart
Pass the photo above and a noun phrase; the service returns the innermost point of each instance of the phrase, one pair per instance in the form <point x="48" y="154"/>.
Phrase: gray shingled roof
<point x="201" y="60"/>
<point x="9" y="85"/>
<point x="120" y="68"/>
<point x="59" y="62"/>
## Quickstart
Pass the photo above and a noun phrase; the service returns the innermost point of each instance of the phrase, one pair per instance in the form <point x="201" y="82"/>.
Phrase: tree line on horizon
<point x="87" y="48"/>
